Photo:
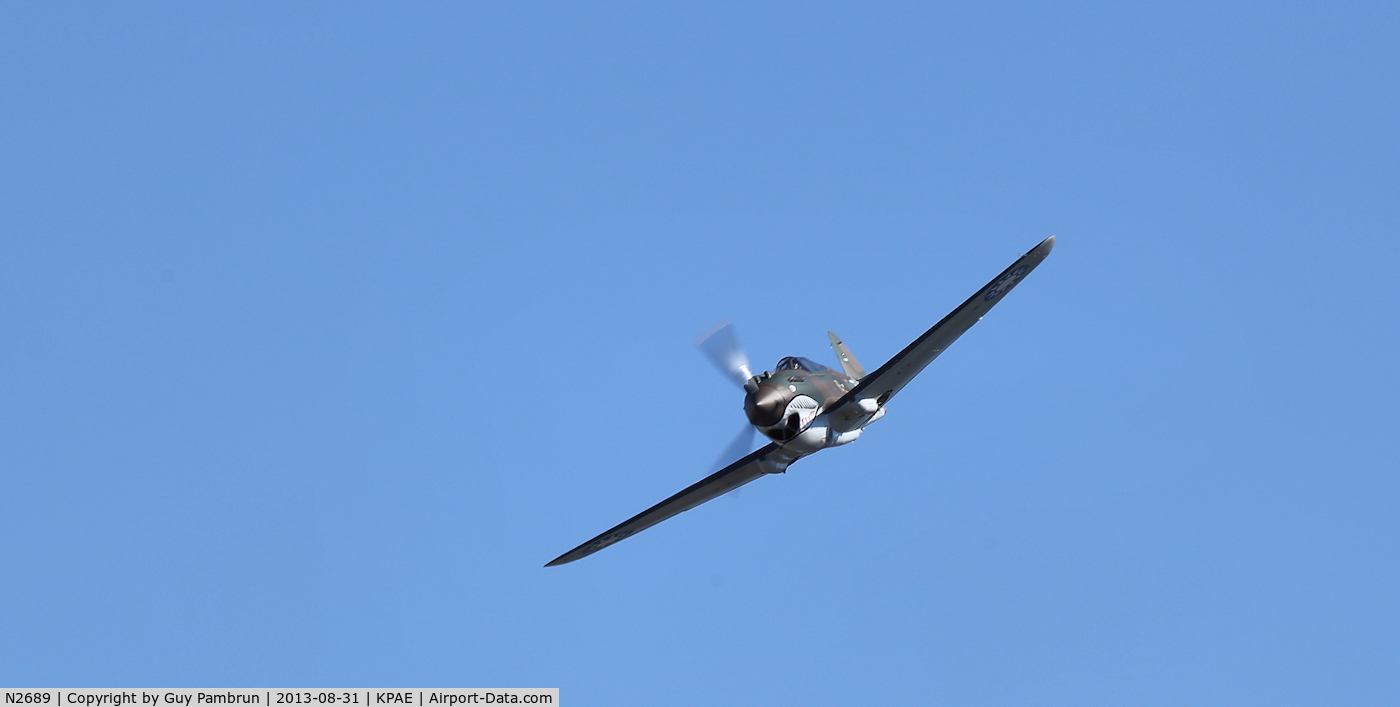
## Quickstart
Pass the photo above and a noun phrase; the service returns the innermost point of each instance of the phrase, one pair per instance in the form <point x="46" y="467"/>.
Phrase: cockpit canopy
<point x="797" y="363"/>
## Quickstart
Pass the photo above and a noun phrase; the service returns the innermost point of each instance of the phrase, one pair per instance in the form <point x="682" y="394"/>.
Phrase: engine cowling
<point x="766" y="404"/>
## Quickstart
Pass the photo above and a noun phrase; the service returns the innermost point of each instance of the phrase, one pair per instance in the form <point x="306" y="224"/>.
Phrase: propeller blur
<point x="721" y="346"/>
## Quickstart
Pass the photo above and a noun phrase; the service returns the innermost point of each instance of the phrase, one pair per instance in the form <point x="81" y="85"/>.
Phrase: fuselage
<point x="790" y="406"/>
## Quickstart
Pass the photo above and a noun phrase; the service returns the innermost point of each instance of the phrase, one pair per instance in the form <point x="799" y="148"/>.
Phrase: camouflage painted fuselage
<point x="784" y="402"/>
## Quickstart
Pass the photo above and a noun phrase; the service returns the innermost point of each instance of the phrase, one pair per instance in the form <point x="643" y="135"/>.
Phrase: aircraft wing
<point x="731" y="477"/>
<point x="888" y="379"/>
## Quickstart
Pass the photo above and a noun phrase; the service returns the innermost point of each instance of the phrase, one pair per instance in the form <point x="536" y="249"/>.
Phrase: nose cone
<point x="765" y="405"/>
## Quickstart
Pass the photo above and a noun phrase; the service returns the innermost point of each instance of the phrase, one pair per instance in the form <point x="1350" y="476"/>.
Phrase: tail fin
<point x="849" y="364"/>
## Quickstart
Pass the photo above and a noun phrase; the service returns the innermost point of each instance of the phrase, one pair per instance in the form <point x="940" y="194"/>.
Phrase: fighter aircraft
<point x="805" y="407"/>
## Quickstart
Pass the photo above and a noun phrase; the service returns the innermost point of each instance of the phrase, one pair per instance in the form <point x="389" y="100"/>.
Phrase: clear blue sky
<point x="327" y="325"/>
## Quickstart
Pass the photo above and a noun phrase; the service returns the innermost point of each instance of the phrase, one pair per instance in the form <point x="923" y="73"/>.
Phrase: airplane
<point x="804" y="407"/>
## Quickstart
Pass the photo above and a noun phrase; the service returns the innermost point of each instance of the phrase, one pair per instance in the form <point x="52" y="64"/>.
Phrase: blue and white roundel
<point x="1004" y="283"/>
